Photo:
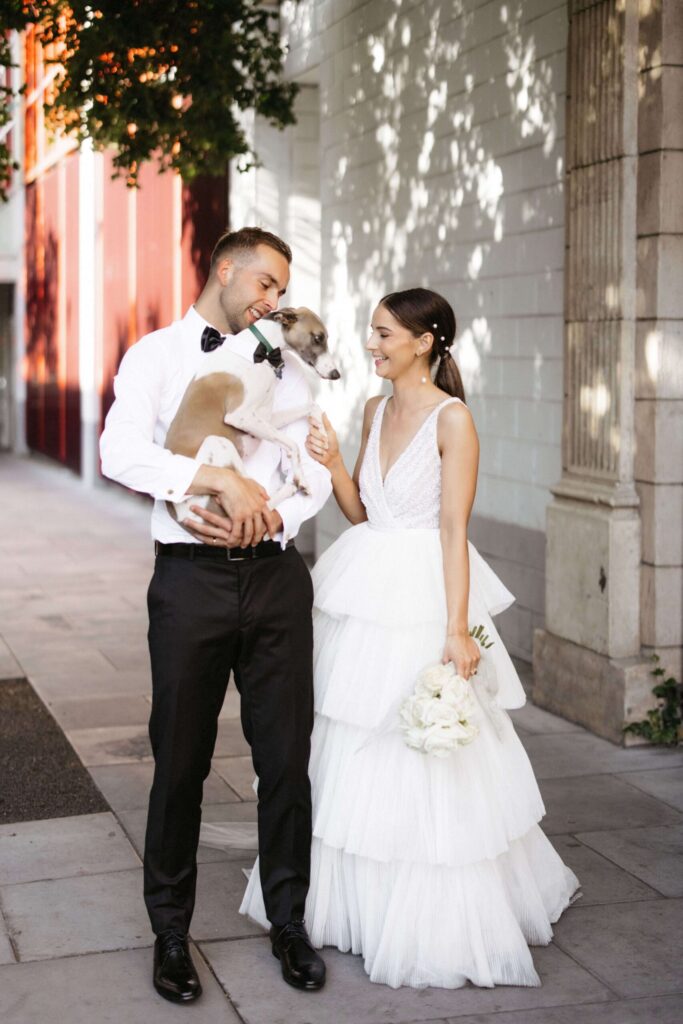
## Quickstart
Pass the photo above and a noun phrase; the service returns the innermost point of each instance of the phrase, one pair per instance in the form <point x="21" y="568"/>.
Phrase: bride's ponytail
<point x="448" y="376"/>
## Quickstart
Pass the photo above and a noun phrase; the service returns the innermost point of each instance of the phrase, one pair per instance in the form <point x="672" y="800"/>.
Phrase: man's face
<point x="252" y="288"/>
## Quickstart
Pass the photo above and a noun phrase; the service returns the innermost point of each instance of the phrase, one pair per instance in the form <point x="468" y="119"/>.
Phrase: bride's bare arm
<point x="459" y="447"/>
<point x="326" y="451"/>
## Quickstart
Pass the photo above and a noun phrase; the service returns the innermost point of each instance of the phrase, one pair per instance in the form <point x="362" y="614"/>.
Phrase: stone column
<point x="588" y="662"/>
<point x="659" y="333"/>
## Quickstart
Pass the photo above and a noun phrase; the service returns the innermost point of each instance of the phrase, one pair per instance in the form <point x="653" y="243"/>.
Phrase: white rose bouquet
<point x="440" y="715"/>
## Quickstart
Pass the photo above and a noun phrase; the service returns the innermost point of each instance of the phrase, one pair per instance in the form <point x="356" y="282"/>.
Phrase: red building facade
<point x="103" y="265"/>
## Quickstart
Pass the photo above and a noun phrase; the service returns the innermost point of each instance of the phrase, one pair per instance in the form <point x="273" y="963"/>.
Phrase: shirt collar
<point x="244" y="343"/>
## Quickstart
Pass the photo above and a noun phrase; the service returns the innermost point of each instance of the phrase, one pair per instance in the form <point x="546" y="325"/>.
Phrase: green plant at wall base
<point x="664" y="724"/>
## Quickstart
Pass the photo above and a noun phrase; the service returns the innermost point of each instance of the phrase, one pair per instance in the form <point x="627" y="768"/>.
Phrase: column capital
<point x="618" y="494"/>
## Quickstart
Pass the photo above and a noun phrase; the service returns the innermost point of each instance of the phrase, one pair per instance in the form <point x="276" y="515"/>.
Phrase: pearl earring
<point x="423" y="380"/>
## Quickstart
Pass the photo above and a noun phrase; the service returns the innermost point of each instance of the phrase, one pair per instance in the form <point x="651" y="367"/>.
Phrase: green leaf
<point x="160" y="80"/>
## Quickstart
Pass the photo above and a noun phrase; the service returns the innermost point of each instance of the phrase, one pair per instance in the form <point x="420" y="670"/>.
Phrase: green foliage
<point x="165" y="80"/>
<point x="13" y="17"/>
<point x="482" y="637"/>
<point x="663" y="723"/>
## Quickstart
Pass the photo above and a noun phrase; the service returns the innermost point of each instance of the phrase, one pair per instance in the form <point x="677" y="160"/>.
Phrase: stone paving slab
<point x="653" y="854"/>
<point x="61" y="683"/>
<point x="230" y="741"/>
<point x="537" y="721"/>
<point x="128" y="656"/>
<point x="71" y="658"/>
<point x="220" y="887"/>
<point x="98" y="712"/>
<point x="63" y="847"/>
<point x="69" y="916"/>
<point x="589" y="803"/>
<point x="115" y="744"/>
<point x="662" y="1010"/>
<point x="601" y="880"/>
<point x="9" y="666"/>
<point x="631" y="947"/>
<point x="665" y="783"/>
<point x="238" y="772"/>
<point x="567" y="755"/>
<point x="231" y="704"/>
<point x="6" y="951"/>
<point x="130" y="743"/>
<point x="134" y="823"/>
<point x="104" y="988"/>
<point x="126" y="786"/>
<point x="350" y="998"/>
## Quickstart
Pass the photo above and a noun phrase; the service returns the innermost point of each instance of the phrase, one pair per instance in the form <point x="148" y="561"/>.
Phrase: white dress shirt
<point x="148" y="389"/>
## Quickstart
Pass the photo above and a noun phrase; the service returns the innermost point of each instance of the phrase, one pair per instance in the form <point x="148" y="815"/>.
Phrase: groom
<point x="222" y="598"/>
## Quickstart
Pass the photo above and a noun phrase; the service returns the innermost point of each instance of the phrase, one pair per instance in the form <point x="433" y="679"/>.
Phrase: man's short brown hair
<point x="242" y="243"/>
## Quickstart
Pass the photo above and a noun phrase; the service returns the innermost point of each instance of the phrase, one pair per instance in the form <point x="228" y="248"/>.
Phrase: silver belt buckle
<point x="242" y="557"/>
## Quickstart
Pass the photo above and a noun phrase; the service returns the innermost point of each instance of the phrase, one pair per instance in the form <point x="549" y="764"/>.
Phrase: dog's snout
<point x="335" y="375"/>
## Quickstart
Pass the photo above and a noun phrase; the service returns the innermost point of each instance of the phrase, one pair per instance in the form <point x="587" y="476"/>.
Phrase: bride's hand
<point x="463" y="650"/>
<point x="324" y="449"/>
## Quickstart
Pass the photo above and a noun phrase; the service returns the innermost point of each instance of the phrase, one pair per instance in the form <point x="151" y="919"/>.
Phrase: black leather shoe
<point x="175" y="977"/>
<point x="301" y="965"/>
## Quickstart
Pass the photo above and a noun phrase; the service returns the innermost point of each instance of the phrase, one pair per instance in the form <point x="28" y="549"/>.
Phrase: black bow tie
<point x="211" y="339"/>
<point x="274" y="356"/>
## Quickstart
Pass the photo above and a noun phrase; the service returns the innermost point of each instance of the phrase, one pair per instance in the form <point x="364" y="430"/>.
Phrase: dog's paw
<point x="316" y="417"/>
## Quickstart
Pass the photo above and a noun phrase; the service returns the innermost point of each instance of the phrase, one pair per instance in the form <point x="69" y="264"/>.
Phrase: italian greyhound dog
<point x="231" y="396"/>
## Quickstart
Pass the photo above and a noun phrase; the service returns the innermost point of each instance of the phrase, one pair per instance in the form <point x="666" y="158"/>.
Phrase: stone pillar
<point x="588" y="662"/>
<point x="659" y="335"/>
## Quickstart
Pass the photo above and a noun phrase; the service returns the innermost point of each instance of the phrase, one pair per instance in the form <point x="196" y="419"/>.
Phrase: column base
<point x="602" y="694"/>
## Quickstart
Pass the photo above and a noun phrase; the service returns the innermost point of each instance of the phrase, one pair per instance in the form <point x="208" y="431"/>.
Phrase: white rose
<point x="458" y="694"/>
<point x="440" y="740"/>
<point x="413" y="710"/>
<point x="438" y="712"/>
<point x="414" y="738"/>
<point x="431" y="680"/>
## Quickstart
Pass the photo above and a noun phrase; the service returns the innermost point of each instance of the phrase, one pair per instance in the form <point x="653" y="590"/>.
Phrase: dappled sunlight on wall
<point x="442" y="136"/>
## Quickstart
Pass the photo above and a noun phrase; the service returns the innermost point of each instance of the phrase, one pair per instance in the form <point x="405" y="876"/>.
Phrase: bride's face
<point x="392" y="346"/>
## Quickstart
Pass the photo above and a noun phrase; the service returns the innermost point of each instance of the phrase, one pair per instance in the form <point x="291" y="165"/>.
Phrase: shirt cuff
<point x="292" y="516"/>
<point x="181" y="472"/>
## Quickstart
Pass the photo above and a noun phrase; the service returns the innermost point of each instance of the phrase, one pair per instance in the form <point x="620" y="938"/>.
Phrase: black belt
<point x="264" y="549"/>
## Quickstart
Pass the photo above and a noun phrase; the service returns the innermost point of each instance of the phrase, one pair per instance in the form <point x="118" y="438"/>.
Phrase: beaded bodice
<point x="410" y="496"/>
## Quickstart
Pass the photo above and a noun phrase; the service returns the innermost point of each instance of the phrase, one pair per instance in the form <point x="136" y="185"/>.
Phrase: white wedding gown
<point x="435" y="870"/>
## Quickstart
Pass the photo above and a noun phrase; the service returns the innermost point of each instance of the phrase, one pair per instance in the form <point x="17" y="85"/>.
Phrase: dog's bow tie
<point x="274" y="356"/>
<point x="211" y="339"/>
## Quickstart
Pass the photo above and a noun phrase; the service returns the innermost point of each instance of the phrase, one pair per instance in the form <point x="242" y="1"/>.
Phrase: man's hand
<point x="245" y="503"/>
<point x="218" y="530"/>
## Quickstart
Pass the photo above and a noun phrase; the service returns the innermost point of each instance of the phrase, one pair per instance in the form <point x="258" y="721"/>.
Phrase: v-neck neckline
<point x="410" y="443"/>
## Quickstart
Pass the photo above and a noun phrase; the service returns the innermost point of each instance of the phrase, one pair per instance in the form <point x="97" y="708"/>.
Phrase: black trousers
<point x="207" y="618"/>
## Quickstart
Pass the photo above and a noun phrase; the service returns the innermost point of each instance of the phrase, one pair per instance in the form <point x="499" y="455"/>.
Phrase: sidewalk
<point x="75" y="943"/>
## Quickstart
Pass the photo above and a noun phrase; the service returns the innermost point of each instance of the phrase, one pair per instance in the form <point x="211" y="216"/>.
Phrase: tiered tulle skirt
<point x="434" y="870"/>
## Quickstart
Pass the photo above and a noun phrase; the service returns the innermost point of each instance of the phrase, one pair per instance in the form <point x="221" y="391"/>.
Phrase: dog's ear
<point x="287" y="316"/>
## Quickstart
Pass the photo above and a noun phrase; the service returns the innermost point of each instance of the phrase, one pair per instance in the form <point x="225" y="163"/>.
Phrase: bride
<point x="434" y="869"/>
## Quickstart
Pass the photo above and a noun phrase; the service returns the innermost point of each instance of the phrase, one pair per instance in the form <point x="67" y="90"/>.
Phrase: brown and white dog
<point x="231" y="396"/>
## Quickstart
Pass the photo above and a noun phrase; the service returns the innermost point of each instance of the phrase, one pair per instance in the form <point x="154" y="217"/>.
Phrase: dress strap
<point x="378" y="416"/>
<point x="434" y="414"/>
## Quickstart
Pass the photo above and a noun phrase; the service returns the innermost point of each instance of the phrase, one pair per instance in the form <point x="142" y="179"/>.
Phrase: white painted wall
<point x="441" y="160"/>
<point x="12" y="272"/>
